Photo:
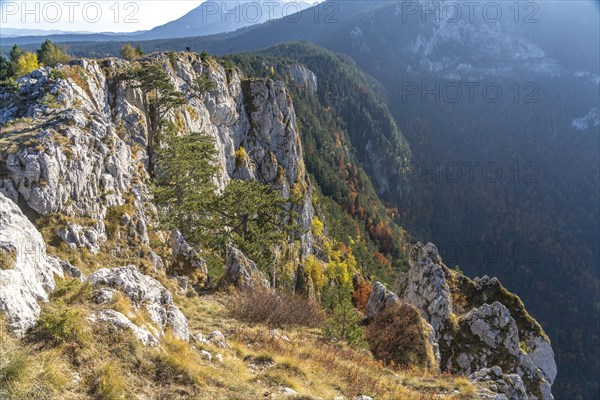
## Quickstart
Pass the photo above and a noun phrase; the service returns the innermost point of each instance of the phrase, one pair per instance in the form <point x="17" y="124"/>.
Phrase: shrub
<point x="65" y="325"/>
<point x="361" y="294"/>
<point x="240" y="156"/>
<point x="130" y="53"/>
<point x="399" y="336"/>
<point x="57" y="74"/>
<point x="317" y="226"/>
<point x="26" y="63"/>
<point x="344" y="324"/>
<point x="278" y="309"/>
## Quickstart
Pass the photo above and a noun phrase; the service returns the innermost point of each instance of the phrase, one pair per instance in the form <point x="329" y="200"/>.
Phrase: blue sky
<point x="93" y="16"/>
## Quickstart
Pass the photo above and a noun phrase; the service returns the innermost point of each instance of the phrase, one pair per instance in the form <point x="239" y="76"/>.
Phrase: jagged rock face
<point x="242" y="273"/>
<point x="78" y="137"/>
<point x="540" y="351"/>
<point x="379" y="299"/>
<point x="143" y="291"/>
<point x="488" y="337"/>
<point x="425" y="286"/>
<point x="491" y="332"/>
<point x="304" y="78"/>
<point x="185" y="260"/>
<point x="27" y="272"/>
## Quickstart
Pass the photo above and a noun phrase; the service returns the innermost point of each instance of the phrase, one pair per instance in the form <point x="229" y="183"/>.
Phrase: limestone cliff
<point x="75" y="139"/>
<point x="480" y="329"/>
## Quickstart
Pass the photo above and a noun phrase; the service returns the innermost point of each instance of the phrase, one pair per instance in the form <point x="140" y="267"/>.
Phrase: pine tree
<point x="50" y="54"/>
<point x="6" y="69"/>
<point x="184" y="185"/>
<point x="344" y="322"/>
<point x="253" y="217"/>
<point x="161" y="96"/>
<point x="15" y="54"/>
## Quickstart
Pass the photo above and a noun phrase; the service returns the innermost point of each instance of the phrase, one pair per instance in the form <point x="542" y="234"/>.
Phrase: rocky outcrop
<point x="489" y="330"/>
<point x="121" y="322"/>
<point x="498" y="386"/>
<point x="144" y="291"/>
<point x="242" y="273"/>
<point x="488" y="337"/>
<point x="379" y="299"/>
<point x="303" y="77"/>
<point x="185" y="260"/>
<point x="75" y="139"/>
<point x="26" y="272"/>
<point x="425" y="286"/>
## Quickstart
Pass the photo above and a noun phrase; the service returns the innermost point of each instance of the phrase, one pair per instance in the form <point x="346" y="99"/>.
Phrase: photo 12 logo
<point x="55" y="12"/>
<point x="225" y="11"/>
<point x="258" y="11"/>
<point x="469" y="11"/>
<point x="473" y="172"/>
<point x="470" y="92"/>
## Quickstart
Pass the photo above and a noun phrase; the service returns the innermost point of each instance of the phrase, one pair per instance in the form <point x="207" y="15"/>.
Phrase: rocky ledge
<point x="480" y="329"/>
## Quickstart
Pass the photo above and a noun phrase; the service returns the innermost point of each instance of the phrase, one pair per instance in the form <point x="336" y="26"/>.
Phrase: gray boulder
<point x="242" y="273"/>
<point x="380" y="298"/>
<point x="121" y="322"/>
<point x="27" y="272"/>
<point x="185" y="261"/>
<point x="147" y="292"/>
<point x="511" y="386"/>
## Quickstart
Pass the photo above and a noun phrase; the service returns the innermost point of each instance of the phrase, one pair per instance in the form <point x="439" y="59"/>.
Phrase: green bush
<point x="65" y="325"/>
<point x="344" y="321"/>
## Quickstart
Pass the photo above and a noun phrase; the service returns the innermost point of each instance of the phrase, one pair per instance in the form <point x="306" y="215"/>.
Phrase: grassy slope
<point x="112" y="365"/>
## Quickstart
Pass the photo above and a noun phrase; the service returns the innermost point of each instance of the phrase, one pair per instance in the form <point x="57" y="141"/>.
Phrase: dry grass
<point x="114" y="365"/>
<point x="276" y="309"/>
<point x="398" y="336"/>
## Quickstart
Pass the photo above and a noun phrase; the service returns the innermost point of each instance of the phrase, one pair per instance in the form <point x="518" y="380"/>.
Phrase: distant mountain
<point x="213" y="17"/>
<point x="34" y="40"/>
<point x="15" y="32"/>
<point x="210" y="18"/>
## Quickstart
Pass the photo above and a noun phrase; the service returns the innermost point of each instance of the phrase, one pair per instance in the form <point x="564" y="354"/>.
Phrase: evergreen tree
<point x="184" y="186"/>
<point x="50" y="54"/>
<point x="252" y="216"/>
<point x="6" y="69"/>
<point x="15" y="54"/>
<point x="247" y="214"/>
<point x="161" y="96"/>
<point x="139" y="50"/>
<point x="344" y="320"/>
